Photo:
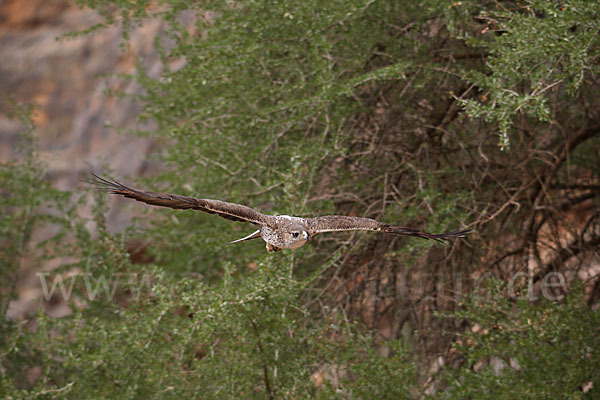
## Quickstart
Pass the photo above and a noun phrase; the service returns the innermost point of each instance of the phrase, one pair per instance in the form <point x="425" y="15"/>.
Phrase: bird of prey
<point x="278" y="231"/>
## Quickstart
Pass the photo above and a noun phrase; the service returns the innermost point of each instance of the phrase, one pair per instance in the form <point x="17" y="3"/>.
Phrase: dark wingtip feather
<point x="440" y="237"/>
<point x="453" y="234"/>
<point x="104" y="184"/>
<point x="95" y="182"/>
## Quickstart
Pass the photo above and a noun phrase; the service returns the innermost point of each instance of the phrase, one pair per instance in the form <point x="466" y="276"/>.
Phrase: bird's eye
<point x="295" y="234"/>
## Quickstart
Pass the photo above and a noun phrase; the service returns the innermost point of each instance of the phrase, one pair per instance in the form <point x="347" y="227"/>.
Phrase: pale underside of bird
<point x="278" y="231"/>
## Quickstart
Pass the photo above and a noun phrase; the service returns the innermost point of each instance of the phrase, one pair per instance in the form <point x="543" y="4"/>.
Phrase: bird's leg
<point x="270" y="247"/>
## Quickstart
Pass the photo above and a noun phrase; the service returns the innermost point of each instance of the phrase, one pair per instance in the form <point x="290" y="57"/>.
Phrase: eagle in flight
<point x="278" y="231"/>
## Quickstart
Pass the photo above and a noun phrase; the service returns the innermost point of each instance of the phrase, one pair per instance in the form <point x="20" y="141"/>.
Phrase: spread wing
<point x="231" y="211"/>
<point x="334" y="223"/>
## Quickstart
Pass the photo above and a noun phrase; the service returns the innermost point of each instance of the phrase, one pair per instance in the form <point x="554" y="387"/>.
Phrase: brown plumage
<point x="281" y="231"/>
<point x="332" y="223"/>
<point x="231" y="211"/>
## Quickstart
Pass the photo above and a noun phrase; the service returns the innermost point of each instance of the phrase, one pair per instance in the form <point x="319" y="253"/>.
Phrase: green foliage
<point x="371" y="375"/>
<point x="526" y="351"/>
<point x="263" y="81"/>
<point x="24" y="190"/>
<point x="540" y="48"/>
<point x="29" y="204"/>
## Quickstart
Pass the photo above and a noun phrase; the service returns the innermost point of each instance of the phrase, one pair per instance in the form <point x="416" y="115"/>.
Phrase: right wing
<point x="231" y="211"/>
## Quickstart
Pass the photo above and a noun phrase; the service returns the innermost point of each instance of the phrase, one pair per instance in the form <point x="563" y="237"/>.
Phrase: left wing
<point x="334" y="223"/>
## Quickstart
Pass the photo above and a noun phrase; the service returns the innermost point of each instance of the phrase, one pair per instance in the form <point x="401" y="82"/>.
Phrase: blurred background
<point x="435" y="115"/>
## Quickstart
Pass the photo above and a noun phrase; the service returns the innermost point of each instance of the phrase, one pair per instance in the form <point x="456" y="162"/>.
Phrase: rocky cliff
<point x="67" y="79"/>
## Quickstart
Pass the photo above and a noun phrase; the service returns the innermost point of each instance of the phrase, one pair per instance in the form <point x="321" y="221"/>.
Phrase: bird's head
<point x="298" y="237"/>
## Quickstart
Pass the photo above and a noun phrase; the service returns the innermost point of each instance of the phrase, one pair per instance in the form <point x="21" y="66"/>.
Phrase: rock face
<point x="76" y="121"/>
<point x="66" y="79"/>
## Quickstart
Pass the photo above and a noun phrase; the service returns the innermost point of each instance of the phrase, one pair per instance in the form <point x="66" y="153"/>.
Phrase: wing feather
<point x="231" y="211"/>
<point x="334" y="223"/>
